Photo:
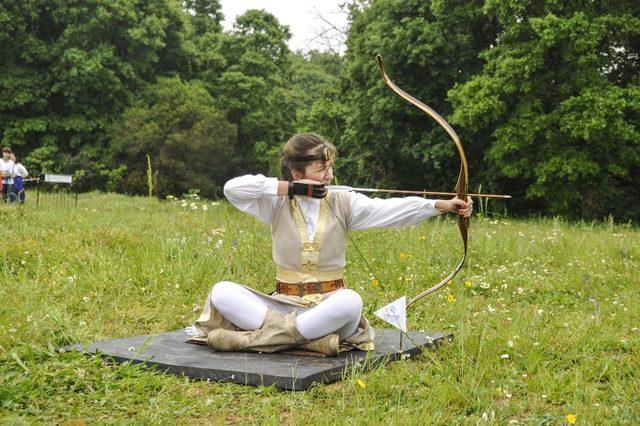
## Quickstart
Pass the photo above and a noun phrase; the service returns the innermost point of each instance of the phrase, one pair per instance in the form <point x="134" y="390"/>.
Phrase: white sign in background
<point x="58" y="178"/>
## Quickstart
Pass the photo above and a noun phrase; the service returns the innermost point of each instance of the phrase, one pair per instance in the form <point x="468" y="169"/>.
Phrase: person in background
<point x="6" y="172"/>
<point x="19" y="173"/>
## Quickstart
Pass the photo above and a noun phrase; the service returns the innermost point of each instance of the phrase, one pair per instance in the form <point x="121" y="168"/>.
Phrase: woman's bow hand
<point x="456" y="205"/>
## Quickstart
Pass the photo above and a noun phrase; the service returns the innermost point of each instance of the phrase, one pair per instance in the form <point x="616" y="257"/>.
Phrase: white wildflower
<point x="504" y="356"/>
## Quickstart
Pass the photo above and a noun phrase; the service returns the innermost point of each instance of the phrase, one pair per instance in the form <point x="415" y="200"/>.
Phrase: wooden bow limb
<point x="461" y="183"/>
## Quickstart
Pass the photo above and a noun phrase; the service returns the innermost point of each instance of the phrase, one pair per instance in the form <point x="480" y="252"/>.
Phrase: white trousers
<point x="339" y="313"/>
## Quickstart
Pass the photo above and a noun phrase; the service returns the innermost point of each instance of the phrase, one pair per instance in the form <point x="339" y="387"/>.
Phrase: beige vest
<point x="299" y="260"/>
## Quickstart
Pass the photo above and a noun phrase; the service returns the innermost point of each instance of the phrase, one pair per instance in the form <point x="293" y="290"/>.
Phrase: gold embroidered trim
<point x="310" y="251"/>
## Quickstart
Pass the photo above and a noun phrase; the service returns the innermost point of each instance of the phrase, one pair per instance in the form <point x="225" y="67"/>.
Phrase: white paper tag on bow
<point x="395" y="313"/>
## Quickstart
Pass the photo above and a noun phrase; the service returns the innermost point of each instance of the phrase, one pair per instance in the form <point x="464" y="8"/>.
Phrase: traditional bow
<point x="461" y="185"/>
<point x="395" y="312"/>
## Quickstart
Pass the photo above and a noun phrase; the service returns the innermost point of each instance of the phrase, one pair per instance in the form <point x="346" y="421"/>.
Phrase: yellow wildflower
<point x="403" y="256"/>
<point x="450" y="298"/>
<point x="375" y="282"/>
<point x="571" y="419"/>
<point x="468" y="283"/>
<point x="362" y="384"/>
<point x="421" y="238"/>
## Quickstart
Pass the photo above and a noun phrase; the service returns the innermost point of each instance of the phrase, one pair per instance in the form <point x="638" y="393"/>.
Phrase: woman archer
<point x="310" y="310"/>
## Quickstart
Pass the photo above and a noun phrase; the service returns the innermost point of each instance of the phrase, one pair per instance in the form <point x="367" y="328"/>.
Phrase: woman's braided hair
<point x="303" y="149"/>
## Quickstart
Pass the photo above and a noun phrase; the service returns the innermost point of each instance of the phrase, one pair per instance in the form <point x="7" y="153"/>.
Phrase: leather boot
<point x="327" y="345"/>
<point x="278" y="332"/>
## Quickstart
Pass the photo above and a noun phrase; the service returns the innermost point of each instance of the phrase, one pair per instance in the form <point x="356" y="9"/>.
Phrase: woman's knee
<point x="221" y="292"/>
<point x="349" y="304"/>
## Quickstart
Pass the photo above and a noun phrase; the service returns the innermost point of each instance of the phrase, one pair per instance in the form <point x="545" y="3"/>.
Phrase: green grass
<point x="559" y="299"/>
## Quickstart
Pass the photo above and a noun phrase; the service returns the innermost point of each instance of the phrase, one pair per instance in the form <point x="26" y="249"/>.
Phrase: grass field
<point x="545" y="318"/>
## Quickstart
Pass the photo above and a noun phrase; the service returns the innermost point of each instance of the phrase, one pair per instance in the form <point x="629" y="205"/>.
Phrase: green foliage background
<point x="545" y="95"/>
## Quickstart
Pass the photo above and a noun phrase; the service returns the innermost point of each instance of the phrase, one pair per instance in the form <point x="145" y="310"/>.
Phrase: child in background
<point x="6" y="172"/>
<point x="19" y="173"/>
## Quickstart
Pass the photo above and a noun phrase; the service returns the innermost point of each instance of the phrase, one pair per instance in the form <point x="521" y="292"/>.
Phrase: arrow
<point x="402" y="191"/>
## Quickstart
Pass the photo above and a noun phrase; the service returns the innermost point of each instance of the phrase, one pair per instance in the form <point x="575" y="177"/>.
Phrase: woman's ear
<point x="297" y="175"/>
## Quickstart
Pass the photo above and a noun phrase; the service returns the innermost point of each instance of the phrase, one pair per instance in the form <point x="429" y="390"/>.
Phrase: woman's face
<point x="320" y="171"/>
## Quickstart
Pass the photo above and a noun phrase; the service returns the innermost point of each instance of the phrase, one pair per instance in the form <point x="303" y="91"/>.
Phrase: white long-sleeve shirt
<point x="7" y="167"/>
<point x="20" y="170"/>
<point x="257" y="196"/>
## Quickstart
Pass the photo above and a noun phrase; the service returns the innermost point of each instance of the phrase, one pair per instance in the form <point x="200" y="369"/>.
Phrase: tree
<point x="188" y="139"/>
<point x="559" y="97"/>
<point x="251" y="87"/>
<point x="69" y="69"/>
<point x="315" y="86"/>
<point x="428" y="47"/>
<point x="206" y="15"/>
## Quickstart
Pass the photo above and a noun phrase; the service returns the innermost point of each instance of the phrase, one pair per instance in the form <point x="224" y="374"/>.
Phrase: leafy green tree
<point x="315" y="84"/>
<point x="428" y="46"/>
<point x="251" y="87"/>
<point x="206" y="15"/>
<point x="559" y="96"/>
<point x="69" y="69"/>
<point x="187" y="137"/>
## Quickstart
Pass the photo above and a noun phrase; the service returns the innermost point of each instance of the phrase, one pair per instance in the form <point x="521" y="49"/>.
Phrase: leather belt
<point x="303" y="289"/>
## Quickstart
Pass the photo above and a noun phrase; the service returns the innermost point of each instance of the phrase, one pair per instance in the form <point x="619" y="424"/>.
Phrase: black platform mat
<point x="169" y="352"/>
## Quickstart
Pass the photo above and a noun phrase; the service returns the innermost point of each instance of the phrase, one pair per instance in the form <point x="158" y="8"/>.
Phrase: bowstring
<point x="371" y="271"/>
